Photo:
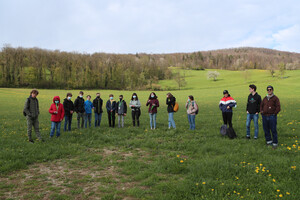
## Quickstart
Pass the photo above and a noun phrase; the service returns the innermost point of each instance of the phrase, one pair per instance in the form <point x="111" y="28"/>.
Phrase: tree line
<point x="35" y="67"/>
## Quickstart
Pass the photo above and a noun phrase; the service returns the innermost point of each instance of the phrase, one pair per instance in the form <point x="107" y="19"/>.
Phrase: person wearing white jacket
<point x="135" y="106"/>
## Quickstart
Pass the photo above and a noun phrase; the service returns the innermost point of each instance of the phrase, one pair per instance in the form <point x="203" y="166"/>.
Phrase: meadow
<point x="139" y="163"/>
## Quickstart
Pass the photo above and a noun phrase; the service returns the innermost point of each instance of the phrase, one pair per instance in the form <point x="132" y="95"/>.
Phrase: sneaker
<point x="31" y="141"/>
<point x="248" y="137"/>
<point x="275" y="146"/>
<point x="255" y="138"/>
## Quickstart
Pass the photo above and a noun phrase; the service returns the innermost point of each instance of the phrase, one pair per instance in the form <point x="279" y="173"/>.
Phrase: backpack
<point x="176" y="107"/>
<point x="223" y="129"/>
<point x="197" y="108"/>
<point x="231" y="133"/>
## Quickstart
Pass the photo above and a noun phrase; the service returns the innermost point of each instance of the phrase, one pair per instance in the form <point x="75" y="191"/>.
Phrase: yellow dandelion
<point x="270" y="174"/>
<point x="197" y="184"/>
<point x="212" y="189"/>
<point x="278" y="190"/>
<point x="203" y="183"/>
<point x="288" y="193"/>
<point x="178" y="156"/>
<point x="260" y="164"/>
<point x="274" y="180"/>
<point x="280" y="195"/>
<point x="259" y="192"/>
<point x="181" y="161"/>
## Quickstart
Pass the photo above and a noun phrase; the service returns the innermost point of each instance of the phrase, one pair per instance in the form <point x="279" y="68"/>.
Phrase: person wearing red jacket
<point x="57" y="115"/>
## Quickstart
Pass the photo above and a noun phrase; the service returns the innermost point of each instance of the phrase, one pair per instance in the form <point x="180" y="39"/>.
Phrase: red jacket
<point x="59" y="116"/>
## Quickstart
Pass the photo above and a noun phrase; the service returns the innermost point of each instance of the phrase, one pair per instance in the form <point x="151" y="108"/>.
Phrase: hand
<point x="256" y="113"/>
<point x="124" y="114"/>
<point x="247" y="112"/>
<point x="111" y="111"/>
<point x="228" y="107"/>
<point x="71" y="111"/>
<point x="154" y="104"/>
<point x="148" y="101"/>
<point x="55" y="112"/>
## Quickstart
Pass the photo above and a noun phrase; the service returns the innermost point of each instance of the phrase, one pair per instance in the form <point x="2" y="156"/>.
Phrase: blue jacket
<point x="88" y="105"/>
<point x="229" y="101"/>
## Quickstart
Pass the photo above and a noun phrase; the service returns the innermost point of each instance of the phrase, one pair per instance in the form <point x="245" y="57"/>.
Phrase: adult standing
<point x="153" y="104"/>
<point x="226" y="104"/>
<point x="135" y="106"/>
<point x="32" y="111"/>
<point x="253" y="108"/>
<point x="269" y="109"/>
<point x="170" y="101"/>
<point x="69" y="109"/>
<point x="191" y="109"/>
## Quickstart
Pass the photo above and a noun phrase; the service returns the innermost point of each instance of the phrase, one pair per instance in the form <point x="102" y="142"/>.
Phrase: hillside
<point x="34" y="67"/>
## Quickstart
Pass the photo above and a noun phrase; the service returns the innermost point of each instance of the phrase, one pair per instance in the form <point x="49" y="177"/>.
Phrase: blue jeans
<point x="98" y="118"/>
<point x="152" y="120"/>
<point x="171" y="120"/>
<point x="255" y="121"/>
<point x="191" y="119"/>
<point x="270" y="123"/>
<point x="53" y="126"/>
<point x="68" y="122"/>
<point x="87" y="117"/>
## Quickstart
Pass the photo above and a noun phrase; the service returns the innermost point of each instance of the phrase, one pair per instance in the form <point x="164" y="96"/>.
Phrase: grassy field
<point x="138" y="163"/>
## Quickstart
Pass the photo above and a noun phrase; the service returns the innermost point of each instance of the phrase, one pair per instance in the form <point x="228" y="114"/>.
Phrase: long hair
<point x="155" y="97"/>
<point x="134" y="94"/>
<point x="169" y="95"/>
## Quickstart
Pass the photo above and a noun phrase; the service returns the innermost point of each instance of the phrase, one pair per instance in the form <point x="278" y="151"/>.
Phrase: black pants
<point x="227" y="118"/>
<point x="111" y="118"/>
<point x="135" y="117"/>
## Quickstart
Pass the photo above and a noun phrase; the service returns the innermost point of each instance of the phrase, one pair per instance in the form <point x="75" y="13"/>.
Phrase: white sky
<point x="151" y="26"/>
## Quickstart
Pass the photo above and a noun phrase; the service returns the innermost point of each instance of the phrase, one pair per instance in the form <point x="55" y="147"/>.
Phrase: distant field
<point x="137" y="163"/>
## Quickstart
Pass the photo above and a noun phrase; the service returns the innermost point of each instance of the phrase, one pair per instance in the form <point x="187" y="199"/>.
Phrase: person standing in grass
<point x="69" y="109"/>
<point x="79" y="109"/>
<point x="170" y="101"/>
<point x="98" y="102"/>
<point x="122" y="110"/>
<point x="135" y="106"/>
<point x="32" y="111"/>
<point x="226" y="104"/>
<point x="57" y="115"/>
<point x="111" y="107"/>
<point x="192" y="110"/>
<point x="253" y="108"/>
<point x="153" y="104"/>
<point x="269" y="108"/>
<point x="88" y="106"/>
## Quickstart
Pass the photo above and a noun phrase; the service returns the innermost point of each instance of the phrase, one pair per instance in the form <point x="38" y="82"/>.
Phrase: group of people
<point x="269" y="107"/>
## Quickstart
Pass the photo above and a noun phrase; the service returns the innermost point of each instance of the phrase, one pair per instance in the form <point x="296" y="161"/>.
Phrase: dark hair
<point x="169" y="95"/>
<point x="34" y="91"/>
<point x="155" y="97"/>
<point x="89" y="96"/>
<point x="135" y="95"/>
<point x="111" y="95"/>
<point x="97" y="93"/>
<point x="253" y="87"/>
<point x="121" y="95"/>
<point x="81" y="92"/>
<point x="191" y="97"/>
<point x="270" y="86"/>
<point x="69" y="94"/>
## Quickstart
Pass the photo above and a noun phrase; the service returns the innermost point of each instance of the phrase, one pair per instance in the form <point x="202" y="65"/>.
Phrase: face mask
<point x="98" y="96"/>
<point x="111" y="98"/>
<point x="80" y="96"/>
<point x="152" y="96"/>
<point x="56" y="102"/>
<point x="120" y="99"/>
<point x="134" y="97"/>
<point x="189" y="100"/>
<point x="69" y="98"/>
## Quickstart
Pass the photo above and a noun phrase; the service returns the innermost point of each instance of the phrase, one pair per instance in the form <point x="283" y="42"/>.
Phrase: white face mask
<point x="80" y="96"/>
<point x="152" y="96"/>
<point x="134" y="97"/>
<point x="111" y="98"/>
<point x="69" y="98"/>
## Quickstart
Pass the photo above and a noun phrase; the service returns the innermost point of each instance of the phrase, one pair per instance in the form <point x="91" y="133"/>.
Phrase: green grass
<point x="137" y="163"/>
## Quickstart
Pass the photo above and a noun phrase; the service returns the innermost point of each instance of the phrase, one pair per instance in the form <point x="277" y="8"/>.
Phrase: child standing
<point x="88" y="106"/>
<point x="135" y="106"/>
<point x="57" y="115"/>
<point x="192" y="110"/>
<point x="122" y="110"/>
<point x="69" y="109"/>
<point x="111" y="107"/>
<point x="98" y="102"/>
<point x="79" y="109"/>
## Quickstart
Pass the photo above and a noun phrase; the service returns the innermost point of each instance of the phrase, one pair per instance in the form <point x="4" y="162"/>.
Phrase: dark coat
<point x="68" y="106"/>
<point x="98" y="103"/>
<point x="111" y="106"/>
<point x="79" y="105"/>
<point x="152" y="109"/>
<point x="270" y="107"/>
<point x="253" y="103"/>
<point x="171" y="103"/>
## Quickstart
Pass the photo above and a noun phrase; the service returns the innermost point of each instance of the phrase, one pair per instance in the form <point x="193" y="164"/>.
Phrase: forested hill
<point x="34" y="67"/>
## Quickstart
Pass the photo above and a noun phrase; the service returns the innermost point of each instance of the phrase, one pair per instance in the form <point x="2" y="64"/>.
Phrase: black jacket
<point x="68" y="106"/>
<point x="97" y="103"/>
<point x="79" y="105"/>
<point x="253" y="103"/>
<point x="171" y="103"/>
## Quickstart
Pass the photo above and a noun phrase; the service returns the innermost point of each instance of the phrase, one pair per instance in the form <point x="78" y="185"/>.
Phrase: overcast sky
<point x="151" y="26"/>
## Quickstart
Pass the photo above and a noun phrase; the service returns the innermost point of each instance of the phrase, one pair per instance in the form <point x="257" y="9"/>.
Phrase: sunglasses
<point x="269" y="89"/>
